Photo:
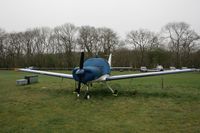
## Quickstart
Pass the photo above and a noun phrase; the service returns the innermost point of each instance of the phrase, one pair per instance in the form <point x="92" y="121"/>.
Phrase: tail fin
<point x="110" y="59"/>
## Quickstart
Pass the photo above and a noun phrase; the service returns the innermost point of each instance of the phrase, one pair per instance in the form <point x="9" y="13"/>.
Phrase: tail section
<point x="110" y="59"/>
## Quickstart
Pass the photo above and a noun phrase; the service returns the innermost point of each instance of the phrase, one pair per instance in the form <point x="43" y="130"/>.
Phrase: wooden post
<point x="162" y="82"/>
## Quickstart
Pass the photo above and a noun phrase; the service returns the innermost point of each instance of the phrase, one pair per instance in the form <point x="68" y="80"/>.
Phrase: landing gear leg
<point x="87" y="95"/>
<point x="114" y="92"/>
<point x="77" y="91"/>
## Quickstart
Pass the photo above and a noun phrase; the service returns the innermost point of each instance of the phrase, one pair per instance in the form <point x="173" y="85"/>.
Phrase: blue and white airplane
<point x="98" y="70"/>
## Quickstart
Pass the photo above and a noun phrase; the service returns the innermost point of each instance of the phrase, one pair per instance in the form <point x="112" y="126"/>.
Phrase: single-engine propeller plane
<point x="98" y="70"/>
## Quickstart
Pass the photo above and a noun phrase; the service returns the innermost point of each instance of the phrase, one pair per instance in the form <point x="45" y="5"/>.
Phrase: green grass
<point x="141" y="106"/>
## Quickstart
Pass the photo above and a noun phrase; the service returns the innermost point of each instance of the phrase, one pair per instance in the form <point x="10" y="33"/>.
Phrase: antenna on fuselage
<point x="110" y="59"/>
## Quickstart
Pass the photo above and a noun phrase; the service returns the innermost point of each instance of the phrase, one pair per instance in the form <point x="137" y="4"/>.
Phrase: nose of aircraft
<point x="79" y="72"/>
<point x="86" y="74"/>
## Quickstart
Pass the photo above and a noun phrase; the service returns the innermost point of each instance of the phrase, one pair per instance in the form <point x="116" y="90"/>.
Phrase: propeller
<point x="81" y="60"/>
<point x="80" y="72"/>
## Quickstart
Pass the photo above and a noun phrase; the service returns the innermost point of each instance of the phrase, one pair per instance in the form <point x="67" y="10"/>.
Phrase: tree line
<point x="177" y="44"/>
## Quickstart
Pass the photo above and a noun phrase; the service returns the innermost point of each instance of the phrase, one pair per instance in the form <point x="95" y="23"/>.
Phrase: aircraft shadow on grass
<point x="101" y="91"/>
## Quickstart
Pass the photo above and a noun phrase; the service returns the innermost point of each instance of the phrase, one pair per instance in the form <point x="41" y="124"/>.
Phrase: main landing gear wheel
<point x="87" y="96"/>
<point x="78" y="95"/>
<point x="76" y="92"/>
<point x="115" y="93"/>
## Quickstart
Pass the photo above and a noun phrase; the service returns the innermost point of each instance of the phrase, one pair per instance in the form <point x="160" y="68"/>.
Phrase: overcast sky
<point x="120" y="15"/>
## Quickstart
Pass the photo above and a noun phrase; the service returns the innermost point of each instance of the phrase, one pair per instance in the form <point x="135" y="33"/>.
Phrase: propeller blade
<point x="81" y="60"/>
<point x="80" y="67"/>
<point x="79" y="87"/>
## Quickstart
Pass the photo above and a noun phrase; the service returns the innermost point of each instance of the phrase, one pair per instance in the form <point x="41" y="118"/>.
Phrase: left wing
<point x="139" y="75"/>
<point x="54" y="74"/>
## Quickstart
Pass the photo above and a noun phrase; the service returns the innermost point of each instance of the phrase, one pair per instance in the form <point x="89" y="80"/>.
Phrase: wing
<point x="54" y="74"/>
<point x="139" y="75"/>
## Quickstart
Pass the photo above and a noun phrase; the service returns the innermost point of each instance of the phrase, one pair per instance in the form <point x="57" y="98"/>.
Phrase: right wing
<point x="139" y="75"/>
<point x="54" y="74"/>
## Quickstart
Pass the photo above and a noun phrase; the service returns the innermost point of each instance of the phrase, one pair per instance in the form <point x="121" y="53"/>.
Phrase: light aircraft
<point x="98" y="70"/>
<point x="157" y="69"/>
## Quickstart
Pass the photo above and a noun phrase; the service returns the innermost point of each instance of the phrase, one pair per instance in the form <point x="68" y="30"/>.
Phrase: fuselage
<point x="93" y="69"/>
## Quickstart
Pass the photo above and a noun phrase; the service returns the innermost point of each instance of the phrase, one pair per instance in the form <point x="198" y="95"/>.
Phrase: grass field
<point x="142" y="106"/>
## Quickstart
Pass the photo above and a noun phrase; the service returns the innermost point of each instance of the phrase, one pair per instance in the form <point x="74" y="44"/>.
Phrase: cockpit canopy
<point x="100" y="63"/>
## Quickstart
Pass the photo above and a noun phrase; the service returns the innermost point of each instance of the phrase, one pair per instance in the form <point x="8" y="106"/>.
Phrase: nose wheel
<point x="86" y="96"/>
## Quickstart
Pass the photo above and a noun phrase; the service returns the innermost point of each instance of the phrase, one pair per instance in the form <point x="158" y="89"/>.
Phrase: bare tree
<point x="28" y="46"/>
<point x="107" y="40"/>
<point x="58" y="47"/>
<point x="66" y="39"/>
<point x="67" y="36"/>
<point x="2" y="49"/>
<point x="16" y="47"/>
<point x="88" y="38"/>
<point x="141" y="40"/>
<point x="41" y="38"/>
<point x="181" y="40"/>
<point x="52" y="43"/>
<point x="40" y="45"/>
